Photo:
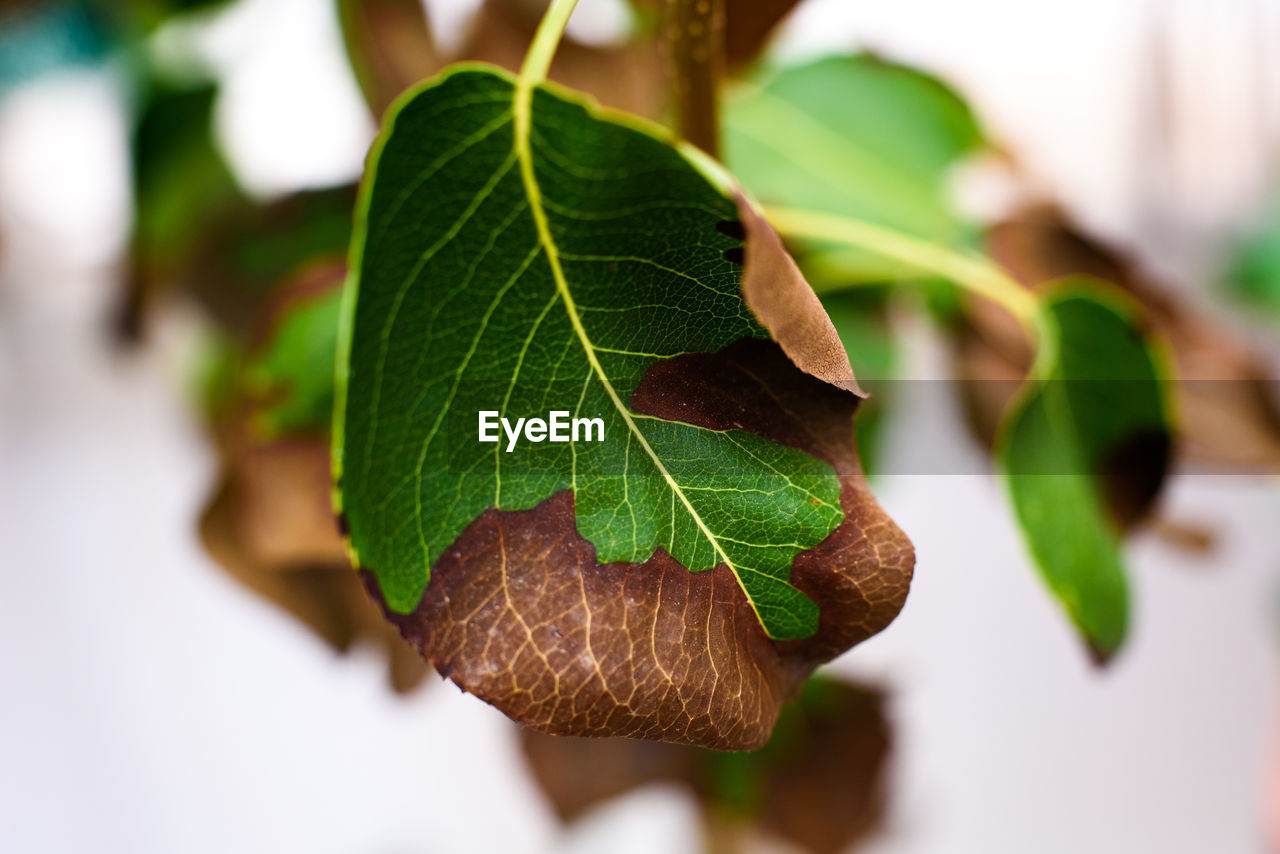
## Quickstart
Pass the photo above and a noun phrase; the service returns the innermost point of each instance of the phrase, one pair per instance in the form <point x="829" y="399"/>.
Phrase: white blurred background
<point x="149" y="704"/>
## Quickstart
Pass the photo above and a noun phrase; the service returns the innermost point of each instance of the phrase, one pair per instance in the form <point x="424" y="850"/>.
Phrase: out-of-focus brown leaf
<point x="626" y="76"/>
<point x="1187" y="536"/>
<point x="270" y="525"/>
<point x="1226" y="413"/>
<point x="390" y="47"/>
<point x="818" y="783"/>
<point x="749" y="24"/>
<point x="242" y="256"/>
<point x="620" y="648"/>
<point x="283" y="493"/>
<point x="324" y="595"/>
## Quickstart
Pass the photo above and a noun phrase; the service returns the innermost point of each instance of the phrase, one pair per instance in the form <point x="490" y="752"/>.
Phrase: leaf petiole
<point x="545" y="41"/>
<point x="976" y="275"/>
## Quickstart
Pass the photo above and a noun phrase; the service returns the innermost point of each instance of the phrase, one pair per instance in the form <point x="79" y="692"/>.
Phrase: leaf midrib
<point x="522" y="108"/>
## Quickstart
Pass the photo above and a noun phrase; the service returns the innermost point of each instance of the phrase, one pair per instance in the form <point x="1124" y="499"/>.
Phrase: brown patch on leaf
<point x="520" y="613"/>
<point x="780" y="298"/>
<point x="818" y="783"/>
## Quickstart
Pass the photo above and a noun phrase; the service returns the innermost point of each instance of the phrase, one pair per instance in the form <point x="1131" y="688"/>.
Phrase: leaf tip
<point x="777" y="294"/>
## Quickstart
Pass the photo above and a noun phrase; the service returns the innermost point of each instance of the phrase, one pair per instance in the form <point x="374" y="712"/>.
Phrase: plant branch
<point x="695" y="42"/>
<point x="390" y="47"/>
<point x="976" y="275"/>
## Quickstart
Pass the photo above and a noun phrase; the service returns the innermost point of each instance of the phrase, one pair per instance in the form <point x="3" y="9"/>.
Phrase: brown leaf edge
<point x="818" y="783"/>
<point x="778" y="295"/>
<point x="520" y="613"/>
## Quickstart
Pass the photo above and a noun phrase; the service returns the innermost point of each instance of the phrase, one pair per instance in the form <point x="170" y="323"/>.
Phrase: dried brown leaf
<point x="818" y="783"/>
<point x="777" y="294"/>
<point x="268" y="521"/>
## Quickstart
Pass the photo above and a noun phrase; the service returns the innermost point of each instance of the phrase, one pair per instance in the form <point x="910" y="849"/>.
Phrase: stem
<point x="979" y="276"/>
<point x="545" y="41"/>
<point x="695" y="38"/>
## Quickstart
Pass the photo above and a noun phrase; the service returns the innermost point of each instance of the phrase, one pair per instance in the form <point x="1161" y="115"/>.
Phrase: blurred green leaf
<point x="180" y="178"/>
<point x="294" y="371"/>
<point x="142" y="16"/>
<point x="854" y="136"/>
<point x="1093" y="416"/>
<point x="262" y="247"/>
<point x="1255" y="269"/>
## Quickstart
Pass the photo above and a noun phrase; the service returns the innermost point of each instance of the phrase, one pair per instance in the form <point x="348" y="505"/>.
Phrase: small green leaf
<point x="522" y="253"/>
<point x="1095" y="402"/>
<point x="854" y="136"/>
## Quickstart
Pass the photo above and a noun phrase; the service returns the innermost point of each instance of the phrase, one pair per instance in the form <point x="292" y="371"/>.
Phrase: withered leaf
<point x="520" y="611"/>
<point x="518" y="251"/>
<point x="817" y="783"/>
<point x="777" y="294"/>
<point x="268" y="524"/>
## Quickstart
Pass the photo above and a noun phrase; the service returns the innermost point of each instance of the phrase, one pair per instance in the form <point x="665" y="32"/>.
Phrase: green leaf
<point x="526" y="254"/>
<point x="854" y="136"/>
<point x="1095" y="402"/>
